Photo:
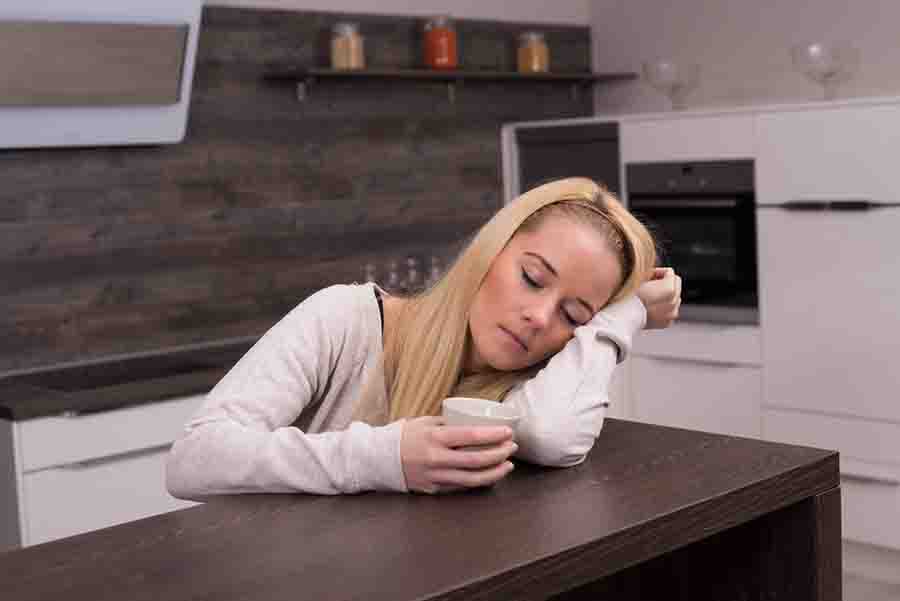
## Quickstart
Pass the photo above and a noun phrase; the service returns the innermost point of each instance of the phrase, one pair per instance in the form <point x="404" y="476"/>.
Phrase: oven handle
<point x="829" y="205"/>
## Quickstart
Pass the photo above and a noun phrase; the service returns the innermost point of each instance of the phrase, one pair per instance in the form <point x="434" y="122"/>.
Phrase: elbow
<point x="181" y="480"/>
<point x="554" y="447"/>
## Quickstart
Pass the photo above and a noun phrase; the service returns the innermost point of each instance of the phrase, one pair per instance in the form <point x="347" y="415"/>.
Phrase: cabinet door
<point x="831" y="153"/>
<point x="61" y="440"/>
<point x="618" y="391"/>
<point x="713" y="397"/>
<point x="691" y="138"/>
<point x="830" y="311"/>
<point x="69" y="500"/>
<point x="556" y="151"/>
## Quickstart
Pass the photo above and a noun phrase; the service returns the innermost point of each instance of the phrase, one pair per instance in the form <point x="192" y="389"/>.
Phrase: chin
<point x="502" y="362"/>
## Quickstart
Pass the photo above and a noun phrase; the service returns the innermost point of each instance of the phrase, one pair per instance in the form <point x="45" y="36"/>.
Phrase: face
<point x="543" y="285"/>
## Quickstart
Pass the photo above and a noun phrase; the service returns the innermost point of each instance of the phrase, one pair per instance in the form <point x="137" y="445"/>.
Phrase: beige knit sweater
<point x="281" y="419"/>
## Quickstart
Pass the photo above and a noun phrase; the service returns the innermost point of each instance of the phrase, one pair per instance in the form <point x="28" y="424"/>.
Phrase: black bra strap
<point x="380" y="308"/>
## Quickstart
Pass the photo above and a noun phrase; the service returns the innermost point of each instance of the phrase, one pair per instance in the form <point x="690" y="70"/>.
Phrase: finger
<point x="658" y="291"/>
<point x="471" y="478"/>
<point x="660" y="273"/>
<point x="476" y="459"/>
<point x="678" y="286"/>
<point x="468" y="436"/>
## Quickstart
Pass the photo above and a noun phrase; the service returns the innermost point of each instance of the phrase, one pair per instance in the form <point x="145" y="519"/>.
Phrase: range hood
<point x="137" y="58"/>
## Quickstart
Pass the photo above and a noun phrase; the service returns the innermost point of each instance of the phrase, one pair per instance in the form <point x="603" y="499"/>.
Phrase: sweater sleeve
<point x="242" y="440"/>
<point x="564" y="405"/>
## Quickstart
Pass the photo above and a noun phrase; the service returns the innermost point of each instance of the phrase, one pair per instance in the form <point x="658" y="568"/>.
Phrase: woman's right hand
<point x="434" y="462"/>
<point x="661" y="295"/>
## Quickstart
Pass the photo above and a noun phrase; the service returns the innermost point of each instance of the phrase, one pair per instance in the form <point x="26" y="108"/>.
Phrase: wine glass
<point x="673" y="79"/>
<point x="827" y="64"/>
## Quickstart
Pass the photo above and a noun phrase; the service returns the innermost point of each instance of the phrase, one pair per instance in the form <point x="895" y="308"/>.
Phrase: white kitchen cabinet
<point x="699" y="395"/>
<point x="618" y="392"/>
<point x="71" y="499"/>
<point x="829" y="299"/>
<point x="700" y="376"/>
<point x="830" y="309"/>
<point x="72" y="474"/>
<point x="870" y="467"/>
<point x="833" y="153"/>
<point x="871" y="507"/>
<point x="689" y="138"/>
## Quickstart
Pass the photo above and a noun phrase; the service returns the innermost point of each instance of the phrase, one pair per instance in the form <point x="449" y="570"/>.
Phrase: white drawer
<point x="60" y="440"/>
<point x="696" y="395"/>
<point x="710" y="342"/>
<point x="834" y="153"/>
<point x="702" y="137"/>
<point x="870" y="504"/>
<point x="65" y="501"/>
<point x="856" y="439"/>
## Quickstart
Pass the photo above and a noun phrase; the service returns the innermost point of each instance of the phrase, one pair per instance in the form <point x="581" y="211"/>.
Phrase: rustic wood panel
<point x="114" y="250"/>
<point x="49" y="63"/>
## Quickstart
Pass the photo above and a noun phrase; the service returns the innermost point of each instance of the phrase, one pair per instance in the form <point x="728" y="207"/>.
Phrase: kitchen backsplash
<point x="117" y="250"/>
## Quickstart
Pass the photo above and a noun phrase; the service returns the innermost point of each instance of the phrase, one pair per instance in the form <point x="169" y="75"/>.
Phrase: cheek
<point x="554" y="342"/>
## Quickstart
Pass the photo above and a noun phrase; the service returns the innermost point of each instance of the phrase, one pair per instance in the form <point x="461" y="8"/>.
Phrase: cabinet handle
<point x="89" y="463"/>
<point x="871" y="479"/>
<point x="706" y="362"/>
<point x="830" y="205"/>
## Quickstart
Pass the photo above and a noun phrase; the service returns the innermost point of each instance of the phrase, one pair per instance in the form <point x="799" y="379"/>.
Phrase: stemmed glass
<point x="673" y="79"/>
<point x="827" y="64"/>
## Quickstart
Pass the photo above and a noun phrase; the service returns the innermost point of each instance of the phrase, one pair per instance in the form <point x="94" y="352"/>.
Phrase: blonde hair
<point x="426" y="348"/>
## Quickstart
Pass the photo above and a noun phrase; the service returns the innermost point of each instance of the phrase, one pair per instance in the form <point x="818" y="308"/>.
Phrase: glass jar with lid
<point x="347" y="47"/>
<point x="533" y="54"/>
<point x="440" y="43"/>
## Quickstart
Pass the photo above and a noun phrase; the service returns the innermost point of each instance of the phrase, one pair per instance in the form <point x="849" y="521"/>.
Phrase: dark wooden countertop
<point x="116" y="382"/>
<point x="643" y="492"/>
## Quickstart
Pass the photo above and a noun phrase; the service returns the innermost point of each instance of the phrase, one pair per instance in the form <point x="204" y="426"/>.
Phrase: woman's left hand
<point x="661" y="295"/>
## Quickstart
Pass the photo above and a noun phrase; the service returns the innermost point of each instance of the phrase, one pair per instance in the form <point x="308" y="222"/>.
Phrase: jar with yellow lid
<point x="533" y="54"/>
<point x="347" y="47"/>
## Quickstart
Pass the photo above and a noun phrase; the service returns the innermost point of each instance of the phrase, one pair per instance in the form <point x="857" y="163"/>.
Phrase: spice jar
<point x="440" y="43"/>
<point x="346" y="47"/>
<point x="533" y="55"/>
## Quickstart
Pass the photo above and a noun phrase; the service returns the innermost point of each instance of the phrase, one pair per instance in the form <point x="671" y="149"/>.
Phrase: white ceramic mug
<point x="467" y="411"/>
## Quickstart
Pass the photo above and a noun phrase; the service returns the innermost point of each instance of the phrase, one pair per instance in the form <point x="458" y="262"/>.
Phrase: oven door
<point x="711" y="243"/>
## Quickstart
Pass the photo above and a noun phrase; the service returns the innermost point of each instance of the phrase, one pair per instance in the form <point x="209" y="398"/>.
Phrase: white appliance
<point x="28" y="127"/>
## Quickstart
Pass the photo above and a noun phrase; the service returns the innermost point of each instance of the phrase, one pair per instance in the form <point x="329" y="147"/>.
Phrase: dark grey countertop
<point x="118" y="381"/>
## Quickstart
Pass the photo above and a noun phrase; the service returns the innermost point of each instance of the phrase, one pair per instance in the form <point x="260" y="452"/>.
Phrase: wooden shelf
<point x="305" y="78"/>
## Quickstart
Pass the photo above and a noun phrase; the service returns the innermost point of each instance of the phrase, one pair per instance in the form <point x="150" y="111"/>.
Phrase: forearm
<point x="564" y="405"/>
<point x="226" y="457"/>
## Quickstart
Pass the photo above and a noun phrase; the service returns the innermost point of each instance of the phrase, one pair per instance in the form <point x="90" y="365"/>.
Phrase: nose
<point x="539" y="312"/>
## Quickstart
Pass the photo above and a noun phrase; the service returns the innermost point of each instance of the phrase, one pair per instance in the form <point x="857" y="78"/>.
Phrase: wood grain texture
<point x="648" y="498"/>
<point x="776" y="556"/>
<point x="118" y="250"/>
<point x="50" y="63"/>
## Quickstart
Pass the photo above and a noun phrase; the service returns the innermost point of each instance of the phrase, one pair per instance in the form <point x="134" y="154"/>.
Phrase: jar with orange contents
<point x="440" y="43"/>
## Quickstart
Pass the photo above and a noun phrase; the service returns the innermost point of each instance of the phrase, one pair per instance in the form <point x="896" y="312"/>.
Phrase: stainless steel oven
<point x="704" y="217"/>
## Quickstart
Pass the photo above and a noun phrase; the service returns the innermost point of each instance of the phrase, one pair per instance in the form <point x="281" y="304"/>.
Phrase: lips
<point x="515" y="338"/>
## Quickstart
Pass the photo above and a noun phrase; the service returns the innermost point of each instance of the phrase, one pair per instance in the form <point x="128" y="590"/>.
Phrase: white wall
<point x="573" y="12"/>
<point x="742" y="47"/>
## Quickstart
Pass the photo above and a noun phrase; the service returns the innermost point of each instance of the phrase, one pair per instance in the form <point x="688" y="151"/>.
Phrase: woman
<point x="343" y="394"/>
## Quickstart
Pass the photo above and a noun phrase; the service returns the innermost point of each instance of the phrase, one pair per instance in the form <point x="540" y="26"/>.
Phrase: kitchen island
<point x="653" y="513"/>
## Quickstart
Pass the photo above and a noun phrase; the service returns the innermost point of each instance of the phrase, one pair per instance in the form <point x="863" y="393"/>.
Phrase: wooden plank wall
<point x="116" y="250"/>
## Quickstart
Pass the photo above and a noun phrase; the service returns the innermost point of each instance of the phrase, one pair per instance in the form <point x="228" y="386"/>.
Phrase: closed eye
<point x="532" y="283"/>
<point x="529" y="280"/>
<point x="572" y="322"/>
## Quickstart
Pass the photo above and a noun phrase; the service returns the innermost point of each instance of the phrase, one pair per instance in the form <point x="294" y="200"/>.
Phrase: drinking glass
<point x="673" y="79"/>
<point x="826" y="63"/>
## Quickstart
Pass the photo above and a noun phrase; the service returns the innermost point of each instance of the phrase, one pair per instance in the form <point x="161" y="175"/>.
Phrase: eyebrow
<point x="552" y="270"/>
